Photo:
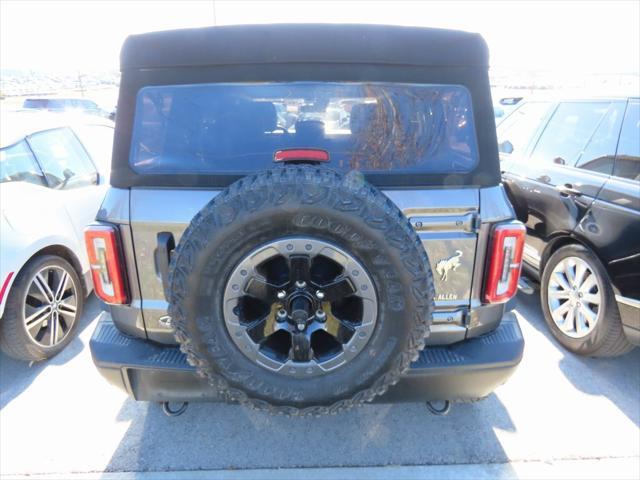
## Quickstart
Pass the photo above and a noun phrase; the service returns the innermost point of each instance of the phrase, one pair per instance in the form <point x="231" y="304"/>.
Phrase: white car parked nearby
<point x="54" y="170"/>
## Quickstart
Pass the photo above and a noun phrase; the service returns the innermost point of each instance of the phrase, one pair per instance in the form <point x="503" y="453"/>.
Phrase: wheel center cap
<point x="301" y="308"/>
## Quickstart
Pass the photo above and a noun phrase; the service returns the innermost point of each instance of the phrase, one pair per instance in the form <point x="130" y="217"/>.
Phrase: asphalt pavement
<point x="558" y="413"/>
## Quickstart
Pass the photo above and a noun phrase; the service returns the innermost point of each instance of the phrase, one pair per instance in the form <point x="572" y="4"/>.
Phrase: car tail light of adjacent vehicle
<point x="107" y="265"/>
<point x="505" y="262"/>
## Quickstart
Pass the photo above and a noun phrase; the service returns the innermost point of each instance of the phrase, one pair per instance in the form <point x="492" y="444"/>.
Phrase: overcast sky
<point x="590" y="37"/>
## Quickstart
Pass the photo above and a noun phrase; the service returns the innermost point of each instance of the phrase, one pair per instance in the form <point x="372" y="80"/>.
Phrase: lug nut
<point x="320" y="295"/>
<point x="301" y="284"/>
<point x="281" y="316"/>
<point x="321" y="316"/>
<point x="281" y="294"/>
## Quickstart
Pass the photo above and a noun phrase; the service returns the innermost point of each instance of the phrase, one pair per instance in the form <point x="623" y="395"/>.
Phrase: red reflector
<point x="301" y="154"/>
<point x="505" y="262"/>
<point x="5" y="285"/>
<point x="105" y="258"/>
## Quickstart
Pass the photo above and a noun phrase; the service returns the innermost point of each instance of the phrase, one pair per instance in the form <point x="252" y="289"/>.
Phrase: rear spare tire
<point x="301" y="291"/>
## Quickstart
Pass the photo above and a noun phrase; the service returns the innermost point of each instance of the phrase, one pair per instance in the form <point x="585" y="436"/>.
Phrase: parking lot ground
<point x="559" y="416"/>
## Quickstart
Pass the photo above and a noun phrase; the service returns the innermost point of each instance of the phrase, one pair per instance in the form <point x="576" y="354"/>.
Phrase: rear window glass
<point x="369" y="127"/>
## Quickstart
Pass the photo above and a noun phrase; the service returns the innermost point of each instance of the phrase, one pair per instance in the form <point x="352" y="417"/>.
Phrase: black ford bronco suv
<point x="303" y="218"/>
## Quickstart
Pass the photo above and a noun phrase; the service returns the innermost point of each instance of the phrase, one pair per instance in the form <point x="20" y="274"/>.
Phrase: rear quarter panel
<point x="612" y="229"/>
<point x="32" y="219"/>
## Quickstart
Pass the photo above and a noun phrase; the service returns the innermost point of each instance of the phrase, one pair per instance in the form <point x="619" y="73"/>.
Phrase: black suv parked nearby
<point x="572" y="171"/>
<point x="306" y="217"/>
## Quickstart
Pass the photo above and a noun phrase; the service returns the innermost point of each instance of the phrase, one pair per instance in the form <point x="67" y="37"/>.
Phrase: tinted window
<point x="236" y="128"/>
<point x="600" y="150"/>
<point x="568" y="132"/>
<point x="628" y="156"/>
<point x="57" y="104"/>
<point x="87" y="104"/>
<point x="17" y="164"/>
<point x="34" y="103"/>
<point x="98" y="141"/>
<point x="47" y="103"/>
<point x="63" y="159"/>
<point x="515" y="132"/>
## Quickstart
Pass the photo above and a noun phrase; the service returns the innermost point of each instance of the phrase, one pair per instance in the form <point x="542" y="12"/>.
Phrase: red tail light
<point x="107" y="266"/>
<point x="505" y="262"/>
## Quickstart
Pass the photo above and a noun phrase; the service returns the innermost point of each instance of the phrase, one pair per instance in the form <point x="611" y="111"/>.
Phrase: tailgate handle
<point x="166" y="246"/>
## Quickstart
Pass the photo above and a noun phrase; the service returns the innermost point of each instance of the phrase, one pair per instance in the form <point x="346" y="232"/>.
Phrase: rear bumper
<point x="465" y="371"/>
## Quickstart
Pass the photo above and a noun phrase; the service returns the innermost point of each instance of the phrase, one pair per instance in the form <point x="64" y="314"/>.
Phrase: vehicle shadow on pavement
<point x="220" y="436"/>
<point x="612" y="378"/>
<point x="16" y="375"/>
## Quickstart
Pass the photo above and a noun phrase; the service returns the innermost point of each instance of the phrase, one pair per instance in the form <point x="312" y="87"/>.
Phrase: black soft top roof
<point x="307" y="43"/>
<point x="306" y="53"/>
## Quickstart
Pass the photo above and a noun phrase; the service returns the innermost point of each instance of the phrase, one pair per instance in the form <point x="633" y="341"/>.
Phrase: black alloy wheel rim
<point x="300" y="306"/>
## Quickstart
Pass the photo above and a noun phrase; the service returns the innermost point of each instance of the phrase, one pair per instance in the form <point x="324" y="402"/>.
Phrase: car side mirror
<point x="95" y="178"/>
<point x="559" y="161"/>
<point x="506" y="147"/>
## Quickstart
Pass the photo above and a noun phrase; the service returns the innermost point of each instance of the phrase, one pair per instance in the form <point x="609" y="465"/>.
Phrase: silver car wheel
<point x="574" y="297"/>
<point x="50" y="306"/>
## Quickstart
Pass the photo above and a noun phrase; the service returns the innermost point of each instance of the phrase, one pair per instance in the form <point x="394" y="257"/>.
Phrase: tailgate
<point x="446" y="221"/>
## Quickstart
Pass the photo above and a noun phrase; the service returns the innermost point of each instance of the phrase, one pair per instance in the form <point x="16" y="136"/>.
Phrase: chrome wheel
<point x="300" y="306"/>
<point x="574" y="297"/>
<point x="50" y="306"/>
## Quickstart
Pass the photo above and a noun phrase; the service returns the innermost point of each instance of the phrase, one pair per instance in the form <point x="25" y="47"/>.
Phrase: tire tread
<point x="251" y="187"/>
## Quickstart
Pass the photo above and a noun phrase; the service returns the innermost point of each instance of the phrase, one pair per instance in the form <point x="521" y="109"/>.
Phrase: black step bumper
<point x="465" y="371"/>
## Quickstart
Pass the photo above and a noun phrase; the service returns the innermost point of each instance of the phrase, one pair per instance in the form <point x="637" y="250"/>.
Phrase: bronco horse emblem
<point x="444" y="266"/>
